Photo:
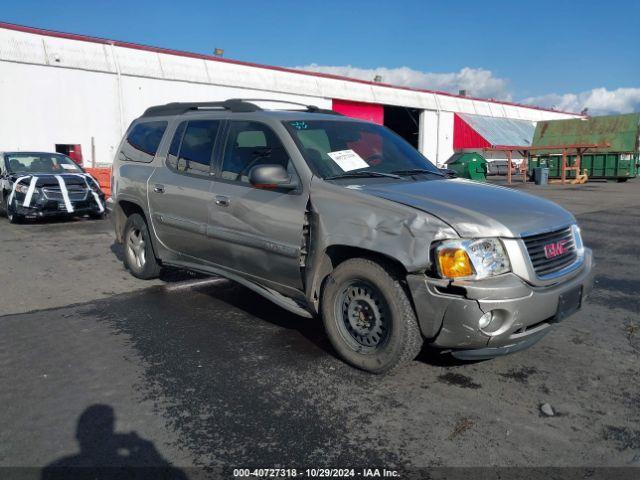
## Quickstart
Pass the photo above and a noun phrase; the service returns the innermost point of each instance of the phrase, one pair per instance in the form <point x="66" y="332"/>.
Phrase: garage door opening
<point x="404" y="121"/>
<point x="74" y="152"/>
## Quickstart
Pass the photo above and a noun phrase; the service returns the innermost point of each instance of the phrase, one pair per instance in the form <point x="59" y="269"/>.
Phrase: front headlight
<point x="472" y="259"/>
<point x="22" y="188"/>
<point x="93" y="183"/>
<point x="577" y="238"/>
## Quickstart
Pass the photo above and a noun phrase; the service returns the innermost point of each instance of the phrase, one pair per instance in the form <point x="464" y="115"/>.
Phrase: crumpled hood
<point x="476" y="209"/>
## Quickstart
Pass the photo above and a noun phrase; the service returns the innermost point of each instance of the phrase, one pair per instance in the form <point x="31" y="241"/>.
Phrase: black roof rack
<point x="177" y="108"/>
<point x="233" y="105"/>
<point x="308" y="108"/>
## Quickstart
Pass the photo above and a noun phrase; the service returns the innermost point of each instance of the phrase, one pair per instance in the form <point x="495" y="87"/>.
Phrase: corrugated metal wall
<point x="64" y="90"/>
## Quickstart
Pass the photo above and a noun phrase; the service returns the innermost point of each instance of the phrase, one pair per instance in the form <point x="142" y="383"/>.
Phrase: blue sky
<point x="549" y="52"/>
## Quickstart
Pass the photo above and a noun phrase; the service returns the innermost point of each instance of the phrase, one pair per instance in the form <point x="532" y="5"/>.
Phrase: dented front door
<point x="251" y="230"/>
<point x="258" y="232"/>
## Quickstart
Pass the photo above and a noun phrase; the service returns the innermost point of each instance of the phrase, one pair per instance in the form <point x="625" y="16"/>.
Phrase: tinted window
<point x="172" y="156"/>
<point x="197" y="146"/>
<point x="144" y="139"/>
<point x="250" y="144"/>
<point x="41" y="163"/>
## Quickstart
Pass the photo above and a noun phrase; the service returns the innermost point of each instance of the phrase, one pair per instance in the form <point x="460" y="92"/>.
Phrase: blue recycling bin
<point x="541" y="175"/>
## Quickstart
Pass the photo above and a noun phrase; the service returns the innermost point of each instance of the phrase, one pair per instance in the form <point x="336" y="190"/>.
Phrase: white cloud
<point x="599" y="101"/>
<point x="478" y="82"/>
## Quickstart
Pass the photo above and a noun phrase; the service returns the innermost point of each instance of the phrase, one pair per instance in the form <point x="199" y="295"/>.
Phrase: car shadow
<point x="107" y="454"/>
<point x="259" y="307"/>
<point x="311" y="329"/>
<point x="442" y="358"/>
<point x="167" y="274"/>
<point x="59" y="219"/>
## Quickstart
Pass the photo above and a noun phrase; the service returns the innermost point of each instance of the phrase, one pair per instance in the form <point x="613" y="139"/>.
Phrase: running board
<point x="275" y="297"/>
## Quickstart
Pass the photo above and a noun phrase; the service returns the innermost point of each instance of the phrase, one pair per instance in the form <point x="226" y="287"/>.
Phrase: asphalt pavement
<point x="201" y="372"/>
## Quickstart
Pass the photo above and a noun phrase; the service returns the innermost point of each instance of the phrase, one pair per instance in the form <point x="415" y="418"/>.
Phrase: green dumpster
<point x="613" y="166"/>
<point x="468" y="165"/>
<point x="616" y="158"/>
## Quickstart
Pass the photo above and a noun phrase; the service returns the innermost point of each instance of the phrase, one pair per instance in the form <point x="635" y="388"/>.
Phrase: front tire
<point x="369" y="318"/>
<point x="12" y="216"/>
<point x="139" y="258"/>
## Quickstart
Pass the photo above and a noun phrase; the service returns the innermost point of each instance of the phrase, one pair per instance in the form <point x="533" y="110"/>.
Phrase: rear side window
<point x="192" y="146"/>
<point x="143" y="140"/>
<point x="174" y="149"/>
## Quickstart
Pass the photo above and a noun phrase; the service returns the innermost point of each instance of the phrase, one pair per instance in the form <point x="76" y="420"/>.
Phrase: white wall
<point x="43" y="106"/>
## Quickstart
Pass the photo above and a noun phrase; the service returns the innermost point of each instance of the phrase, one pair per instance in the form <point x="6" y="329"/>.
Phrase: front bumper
<point x="448" y="312"/>
<point x="52" y="208"/>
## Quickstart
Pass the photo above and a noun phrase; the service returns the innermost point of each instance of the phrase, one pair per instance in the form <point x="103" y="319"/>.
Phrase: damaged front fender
<point x="343" y="216"/>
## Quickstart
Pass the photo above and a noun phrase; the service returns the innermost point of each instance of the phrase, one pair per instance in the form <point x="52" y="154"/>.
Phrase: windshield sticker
<point x="348" y="160"/>
<point x="299" y="125"/>
<point x="67" y="166"/>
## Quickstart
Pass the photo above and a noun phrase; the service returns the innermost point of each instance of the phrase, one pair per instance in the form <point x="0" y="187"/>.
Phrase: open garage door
<point x="404" y="121"/>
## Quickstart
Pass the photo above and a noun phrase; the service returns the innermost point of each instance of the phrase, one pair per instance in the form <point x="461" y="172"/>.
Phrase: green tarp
<point x="621" y="131"/>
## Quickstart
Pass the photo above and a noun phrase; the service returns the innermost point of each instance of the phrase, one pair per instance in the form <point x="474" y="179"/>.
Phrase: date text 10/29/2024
<point x="315" y="473"/>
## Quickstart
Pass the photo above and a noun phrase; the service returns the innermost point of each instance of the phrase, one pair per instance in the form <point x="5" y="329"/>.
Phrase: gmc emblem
<point x="552" y="250"/>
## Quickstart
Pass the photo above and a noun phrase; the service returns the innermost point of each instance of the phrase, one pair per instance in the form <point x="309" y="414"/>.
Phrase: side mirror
<point x="271" y="177"/>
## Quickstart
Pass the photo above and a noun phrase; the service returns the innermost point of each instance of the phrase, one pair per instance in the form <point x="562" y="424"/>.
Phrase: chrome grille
<point x="544" y="266"/>
<point x="77" y="193"/>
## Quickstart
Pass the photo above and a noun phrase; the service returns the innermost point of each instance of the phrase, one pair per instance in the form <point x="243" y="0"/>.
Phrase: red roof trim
<point x="180" y="53"/>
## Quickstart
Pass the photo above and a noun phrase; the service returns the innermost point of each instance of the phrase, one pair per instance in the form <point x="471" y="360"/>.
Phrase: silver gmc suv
<point x="338" y="218"/>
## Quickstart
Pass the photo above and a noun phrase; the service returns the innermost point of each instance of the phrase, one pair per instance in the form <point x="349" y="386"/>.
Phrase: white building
<point x="60" y="90"/>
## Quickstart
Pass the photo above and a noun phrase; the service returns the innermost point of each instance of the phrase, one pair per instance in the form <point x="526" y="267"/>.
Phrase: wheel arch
<point x="122" y="210"/>
<point x="334" y="255"/>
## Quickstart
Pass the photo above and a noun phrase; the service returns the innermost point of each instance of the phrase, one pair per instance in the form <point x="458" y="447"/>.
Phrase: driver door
<point x="255" y="231"/>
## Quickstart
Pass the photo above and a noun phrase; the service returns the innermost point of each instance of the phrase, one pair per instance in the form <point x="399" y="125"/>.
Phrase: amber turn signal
<point x="454" y="263"/>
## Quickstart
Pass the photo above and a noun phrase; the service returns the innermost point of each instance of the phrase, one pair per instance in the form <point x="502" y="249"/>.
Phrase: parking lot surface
<point x="207" y="373"/>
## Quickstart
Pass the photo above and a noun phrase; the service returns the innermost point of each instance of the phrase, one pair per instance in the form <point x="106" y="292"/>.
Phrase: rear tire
<point x="139" y="258"/>
<point x="369" y="318"/>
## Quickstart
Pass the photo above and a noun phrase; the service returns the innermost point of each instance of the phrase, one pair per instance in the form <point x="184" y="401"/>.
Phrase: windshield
<point x="40" y="163"/>
<point x="337" y="148"/>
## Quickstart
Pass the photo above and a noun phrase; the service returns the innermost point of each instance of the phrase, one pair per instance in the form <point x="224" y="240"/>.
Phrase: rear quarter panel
<point x="130" y="178"/>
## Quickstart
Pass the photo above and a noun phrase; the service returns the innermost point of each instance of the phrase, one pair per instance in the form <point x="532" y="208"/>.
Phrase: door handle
<point x="222" y="200"/>
<point x="158" y="188"/>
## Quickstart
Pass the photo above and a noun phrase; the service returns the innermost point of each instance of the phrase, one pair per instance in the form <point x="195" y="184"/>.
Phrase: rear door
<point x="180" y="191"/>
<point x="256" y="231"/>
